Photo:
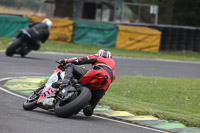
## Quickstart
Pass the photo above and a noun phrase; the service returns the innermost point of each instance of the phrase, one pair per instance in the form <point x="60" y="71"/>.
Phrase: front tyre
<point x="13" y="46"/>
<point x="31" y="102"/>
<point x="75" y="105"/>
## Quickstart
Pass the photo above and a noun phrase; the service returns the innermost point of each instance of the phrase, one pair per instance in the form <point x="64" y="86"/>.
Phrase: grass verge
<point x="165" y="98"/>
<point x="91" y="49"/>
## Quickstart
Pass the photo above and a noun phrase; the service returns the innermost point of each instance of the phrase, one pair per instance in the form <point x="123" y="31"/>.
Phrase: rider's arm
<point x="44" y="35"/>
<point x="33" y="24"/>
<point x="82" y="60"/>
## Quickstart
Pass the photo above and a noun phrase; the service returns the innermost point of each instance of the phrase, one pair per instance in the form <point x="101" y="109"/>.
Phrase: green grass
<point x="166" y="98"/>
<point x="91" y="49"/>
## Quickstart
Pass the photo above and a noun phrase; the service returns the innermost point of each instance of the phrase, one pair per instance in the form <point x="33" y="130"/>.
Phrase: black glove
<point x="62" y="62"/>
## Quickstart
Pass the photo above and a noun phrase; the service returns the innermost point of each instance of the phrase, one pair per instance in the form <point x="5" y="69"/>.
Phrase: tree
<point x="64" y="8"/>
<point x="177" y="12"/>
<point x="186" y="12"/>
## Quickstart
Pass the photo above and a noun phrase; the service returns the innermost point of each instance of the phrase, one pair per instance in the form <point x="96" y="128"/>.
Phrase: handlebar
<point x="58" y="62"/>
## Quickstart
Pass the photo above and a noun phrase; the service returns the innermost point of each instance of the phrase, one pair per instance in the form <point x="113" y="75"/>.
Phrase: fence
<point x="136" y="13"/>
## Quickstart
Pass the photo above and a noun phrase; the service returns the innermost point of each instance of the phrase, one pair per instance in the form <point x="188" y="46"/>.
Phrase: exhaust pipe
<point x="49" y="102"/>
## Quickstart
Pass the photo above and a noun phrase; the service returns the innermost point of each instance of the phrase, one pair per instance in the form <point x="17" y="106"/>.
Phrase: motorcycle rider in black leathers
<point x="37" y="32"/>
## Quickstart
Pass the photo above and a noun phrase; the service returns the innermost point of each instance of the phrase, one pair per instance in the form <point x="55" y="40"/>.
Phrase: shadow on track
<point x="74" y="117"/>
<point x="31" y="58"/>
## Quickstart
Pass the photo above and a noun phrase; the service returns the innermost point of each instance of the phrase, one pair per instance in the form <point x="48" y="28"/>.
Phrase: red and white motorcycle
<point x="65" y="101"/>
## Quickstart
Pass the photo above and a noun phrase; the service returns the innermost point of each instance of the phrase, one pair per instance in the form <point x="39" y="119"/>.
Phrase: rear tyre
<point x="88" y="111"/>
<point x="13" y="46"/>
<point x="75" y="105"/>
<point x="23" y="54"/>
<point x="31" y="102"/>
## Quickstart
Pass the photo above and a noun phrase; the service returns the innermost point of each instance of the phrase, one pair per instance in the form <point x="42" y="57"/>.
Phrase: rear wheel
<point x="74" y="106"/>
<point x="13" y="46"/>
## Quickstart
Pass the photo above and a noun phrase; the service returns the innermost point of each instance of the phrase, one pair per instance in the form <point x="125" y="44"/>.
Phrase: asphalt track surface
<point x="13" y="119"/>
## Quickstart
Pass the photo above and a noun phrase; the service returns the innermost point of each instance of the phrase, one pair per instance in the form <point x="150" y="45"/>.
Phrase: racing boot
<point x="61" y="84"/>
<point x="68" y="75"/>
<point x="87" y="110"/>
<point x="38" y="90"/>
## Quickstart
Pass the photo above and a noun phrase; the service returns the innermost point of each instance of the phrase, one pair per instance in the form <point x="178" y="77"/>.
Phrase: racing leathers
<point x="37" y="32"/>
<point x="98" y="79"/>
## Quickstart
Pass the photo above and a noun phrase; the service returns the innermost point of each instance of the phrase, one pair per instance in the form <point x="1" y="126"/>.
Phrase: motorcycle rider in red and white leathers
<point x="97" y="80"/>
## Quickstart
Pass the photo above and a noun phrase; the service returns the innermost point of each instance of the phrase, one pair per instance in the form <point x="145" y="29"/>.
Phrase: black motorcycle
<point x="66" y="100"/>
<point x="21" y="44"/>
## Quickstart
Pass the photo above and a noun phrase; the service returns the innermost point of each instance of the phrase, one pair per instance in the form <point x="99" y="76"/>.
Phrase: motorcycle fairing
<point x="48" y="89"/>
<point x="94" y="80"/>
<point x="46" y="93"/>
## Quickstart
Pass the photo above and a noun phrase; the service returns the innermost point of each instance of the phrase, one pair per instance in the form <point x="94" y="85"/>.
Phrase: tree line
<point x="29" y="4"/>
<point x="172" y="12"/>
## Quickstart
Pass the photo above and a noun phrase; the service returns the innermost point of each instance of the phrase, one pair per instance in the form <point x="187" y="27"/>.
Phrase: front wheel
<point x="13" y="46"/>
<point x="74" y="106"/>
<point x="31" y="102"/>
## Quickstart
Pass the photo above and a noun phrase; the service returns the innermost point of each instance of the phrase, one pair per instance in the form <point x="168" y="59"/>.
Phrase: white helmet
<point x="104" y="53"/>
<point x="48" y="22"/>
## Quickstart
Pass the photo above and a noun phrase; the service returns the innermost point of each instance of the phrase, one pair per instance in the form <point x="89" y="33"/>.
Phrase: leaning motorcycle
<point x="65" y="101"/>
<point x="19" y="45"/>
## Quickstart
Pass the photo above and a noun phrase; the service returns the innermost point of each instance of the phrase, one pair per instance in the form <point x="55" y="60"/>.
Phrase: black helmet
<point x="104" y="53"/>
